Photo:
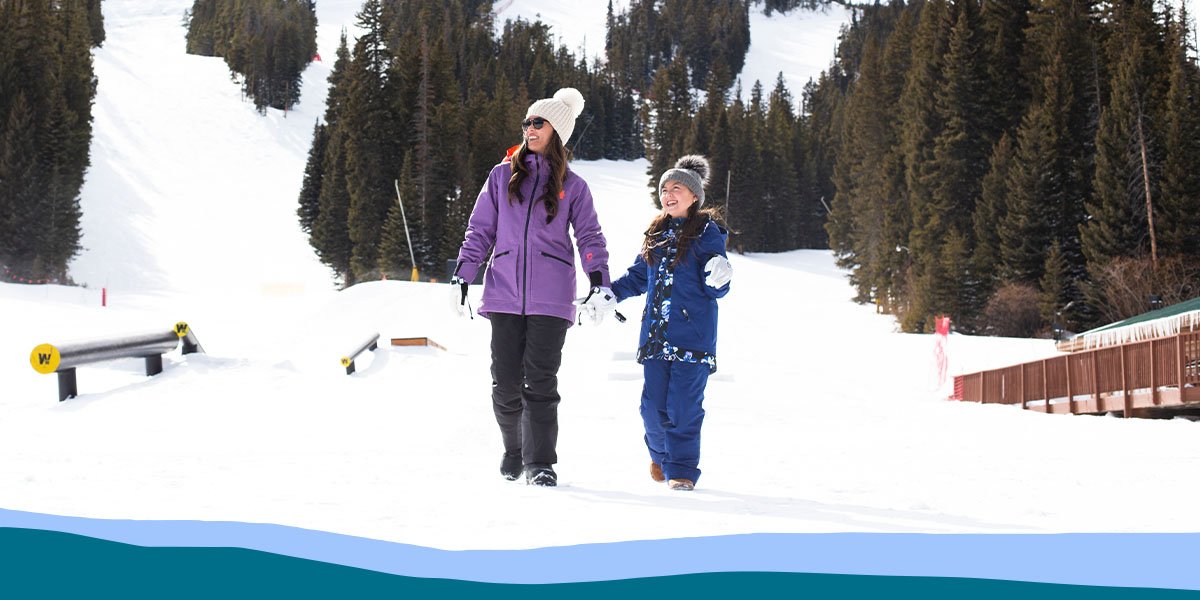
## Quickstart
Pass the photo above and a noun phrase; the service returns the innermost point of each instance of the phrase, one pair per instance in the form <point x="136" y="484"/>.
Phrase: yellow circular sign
<point x="45" y="359"/>
<point x="345" y="361"/>
<point x="181" y="329"/>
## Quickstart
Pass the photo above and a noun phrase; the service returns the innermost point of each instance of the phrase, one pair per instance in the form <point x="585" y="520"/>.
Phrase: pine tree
<point x="55" y="228"/>
<point x="19" y="190"/>
<point x="922" y="126"/>
<point x="1038" y="197"/>
<point x="453" y="208"/>
<point x="953" y="284"/>
<point x="1002" y="43"/>
<point x="781" y="199"/>
<point x="1179" y="204"/>
<point x="742" y="209"/>
<point x="310" y="189"/>
<point x="1057" y="289"/>
<point x="990" y="212"/>
<point x="77" y="83"/>
<point x="1062" y="38"/>
<point x="330" y="231"/>
<point x="95" y="22"/>
<point x="1118" y="224"/>
<point x="862" y="191"/>
<point x="338" y="88"/>
<point x="366" y="122"/>
<point x="961" y="147"/>
<point x="748" y="193"/>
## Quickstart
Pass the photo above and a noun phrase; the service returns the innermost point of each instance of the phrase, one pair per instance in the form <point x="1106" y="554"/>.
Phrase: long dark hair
<point x="557" y="155"/>
<point x="693" y="224"/>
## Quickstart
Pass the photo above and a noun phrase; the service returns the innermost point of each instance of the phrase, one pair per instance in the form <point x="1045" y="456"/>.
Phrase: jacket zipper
<point x="548" y="255"/>
<point x="492" y="261"/>
<point x="537" y="180"/>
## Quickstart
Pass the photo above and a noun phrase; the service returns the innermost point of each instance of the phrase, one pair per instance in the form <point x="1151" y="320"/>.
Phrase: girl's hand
<point x="719" y="271"/>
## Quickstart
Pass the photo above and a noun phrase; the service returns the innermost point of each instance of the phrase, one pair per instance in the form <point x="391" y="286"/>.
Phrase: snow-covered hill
<point x="821" y="419"/>
<point x="799" y="44"/>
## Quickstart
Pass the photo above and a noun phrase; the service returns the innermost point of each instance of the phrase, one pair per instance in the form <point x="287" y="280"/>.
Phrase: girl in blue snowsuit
<point x="682" y="270"/>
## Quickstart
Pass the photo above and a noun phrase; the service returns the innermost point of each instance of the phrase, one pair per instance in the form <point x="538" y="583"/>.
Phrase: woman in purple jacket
<point x="522" y="219"/>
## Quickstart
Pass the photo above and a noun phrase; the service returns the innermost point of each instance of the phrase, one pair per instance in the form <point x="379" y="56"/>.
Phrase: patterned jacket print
<point x="680" y="318"/>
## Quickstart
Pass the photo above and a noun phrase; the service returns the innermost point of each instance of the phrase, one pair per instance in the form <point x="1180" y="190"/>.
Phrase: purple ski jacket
<point x="531" y="269"/>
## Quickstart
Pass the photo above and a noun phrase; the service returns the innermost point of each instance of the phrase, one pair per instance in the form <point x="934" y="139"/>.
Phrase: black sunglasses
<point x="535" y="122"/>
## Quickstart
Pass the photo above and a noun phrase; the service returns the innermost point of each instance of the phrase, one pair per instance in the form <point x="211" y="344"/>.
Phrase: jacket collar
<point x="532" y="159"/>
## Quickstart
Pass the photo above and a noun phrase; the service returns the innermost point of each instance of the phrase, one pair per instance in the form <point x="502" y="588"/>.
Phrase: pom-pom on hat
<point x="691" y="171"/>
<point x="561" y="111"/>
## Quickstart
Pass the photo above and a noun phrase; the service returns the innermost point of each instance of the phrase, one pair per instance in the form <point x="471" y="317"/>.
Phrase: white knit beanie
<point x="561" y="111"/>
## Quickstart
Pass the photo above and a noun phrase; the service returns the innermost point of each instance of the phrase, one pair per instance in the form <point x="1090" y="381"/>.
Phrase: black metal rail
<point x="63" y="359"/>
<point x="370" y="344"/>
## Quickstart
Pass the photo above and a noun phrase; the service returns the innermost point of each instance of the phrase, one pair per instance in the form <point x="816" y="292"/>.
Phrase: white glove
<point x="458" y="298"/>
<point x="719" y="271"/>
<point x="599" y="302"/>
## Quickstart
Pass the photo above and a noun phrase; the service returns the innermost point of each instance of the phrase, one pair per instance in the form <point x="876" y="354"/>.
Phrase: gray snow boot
<point x="542" y="475"/>
<point x="510" y="466"/>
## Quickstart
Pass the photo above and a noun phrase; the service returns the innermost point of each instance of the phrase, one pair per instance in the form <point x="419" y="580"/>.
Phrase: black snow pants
<point x="526" y="354"/>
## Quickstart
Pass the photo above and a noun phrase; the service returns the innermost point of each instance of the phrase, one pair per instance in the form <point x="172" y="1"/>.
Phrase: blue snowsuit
<point x="677" y="344"/>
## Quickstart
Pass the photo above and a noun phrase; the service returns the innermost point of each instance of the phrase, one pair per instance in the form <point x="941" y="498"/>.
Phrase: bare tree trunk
<point x="1149" y="204"/>
<point x="423" y="134"/>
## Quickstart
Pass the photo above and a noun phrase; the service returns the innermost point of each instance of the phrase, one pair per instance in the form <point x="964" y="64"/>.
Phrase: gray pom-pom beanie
<point x="691" y="171"/>
<point x="561" y="111"/>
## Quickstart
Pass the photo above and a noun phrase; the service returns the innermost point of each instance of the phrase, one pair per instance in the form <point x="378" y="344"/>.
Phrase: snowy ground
<point x="821" y="419"/>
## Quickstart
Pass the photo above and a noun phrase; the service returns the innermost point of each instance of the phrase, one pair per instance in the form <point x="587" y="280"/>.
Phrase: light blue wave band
<point x="1155" y="560"/>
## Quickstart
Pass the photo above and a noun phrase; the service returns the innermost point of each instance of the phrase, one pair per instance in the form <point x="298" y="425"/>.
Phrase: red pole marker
<point x="939" y="348"/>
<point x="103" y="296"/>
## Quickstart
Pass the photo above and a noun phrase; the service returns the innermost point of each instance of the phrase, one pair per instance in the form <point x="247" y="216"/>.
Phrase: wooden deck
<point x="1146" y="378"/>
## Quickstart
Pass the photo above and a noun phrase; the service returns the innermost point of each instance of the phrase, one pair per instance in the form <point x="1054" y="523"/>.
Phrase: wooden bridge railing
<point x="1154" y="373"/>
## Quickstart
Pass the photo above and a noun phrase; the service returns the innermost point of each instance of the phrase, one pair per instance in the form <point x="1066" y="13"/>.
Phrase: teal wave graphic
<point x="47" y="564"/>
<point x="1163" y="561"/>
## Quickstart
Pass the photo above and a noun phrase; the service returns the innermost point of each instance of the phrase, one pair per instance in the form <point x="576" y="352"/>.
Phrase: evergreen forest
<point x="268" y="42"/>
<point x="47" y="87"/>
<point x="427" y="100"/>
<point x="1023" y="166"/>
<point x="1020" y="166"/>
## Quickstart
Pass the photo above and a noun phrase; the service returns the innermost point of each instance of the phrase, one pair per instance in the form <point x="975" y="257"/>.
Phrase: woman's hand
<point x="599" y="302"/>
<point x="458" y="297"/>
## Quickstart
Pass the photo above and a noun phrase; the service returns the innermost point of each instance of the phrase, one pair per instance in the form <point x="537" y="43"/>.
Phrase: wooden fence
<point x="1130" y="378"/>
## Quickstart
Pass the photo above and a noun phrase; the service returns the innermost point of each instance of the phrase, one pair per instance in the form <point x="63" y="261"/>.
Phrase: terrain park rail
<point x="371" y="344"/>
<point x="62" y="359"/>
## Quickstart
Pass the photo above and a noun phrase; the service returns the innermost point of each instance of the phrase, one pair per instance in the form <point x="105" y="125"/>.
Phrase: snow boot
<point x="656" y="472"/>
<point x="510" y="466"/>
<point x="542" y="475"/>
<point x="683" y="485"/>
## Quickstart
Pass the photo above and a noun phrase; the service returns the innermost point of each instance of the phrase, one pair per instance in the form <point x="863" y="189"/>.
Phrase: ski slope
<point x="821" y="419"/>
<point x="798" y="45"/>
